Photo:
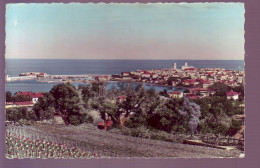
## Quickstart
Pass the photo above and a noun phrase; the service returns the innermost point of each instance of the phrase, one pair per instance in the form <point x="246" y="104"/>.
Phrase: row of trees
<point x="16" y="98"/>
<point x="130" y="105"/>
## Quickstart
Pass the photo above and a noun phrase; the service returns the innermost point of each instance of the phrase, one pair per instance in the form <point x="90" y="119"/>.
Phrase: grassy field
<point x="107" y="144"/>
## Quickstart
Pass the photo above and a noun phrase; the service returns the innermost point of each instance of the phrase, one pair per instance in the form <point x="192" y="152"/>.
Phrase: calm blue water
<point x="75" y="67"/>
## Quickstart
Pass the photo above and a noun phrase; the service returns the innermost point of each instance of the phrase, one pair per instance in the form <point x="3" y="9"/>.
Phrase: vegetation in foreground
<point x="131" y="106"/>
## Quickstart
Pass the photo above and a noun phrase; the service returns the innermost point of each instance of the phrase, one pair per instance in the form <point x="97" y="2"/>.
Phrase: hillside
<point x="107" y="144"/>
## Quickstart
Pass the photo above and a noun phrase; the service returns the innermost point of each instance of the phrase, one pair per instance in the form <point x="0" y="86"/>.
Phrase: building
<point x="101" y="78"/>
<point x="186" y="66"/>
<point x="174" y="65"/>
<point x="8" y="78"/>
<point x="206" y="84"/>
<point x="146" y="75"/>
<point x="232" y="95"/>
<point x="175" y="94"/>
<point x="33" y="96"/>
<point x="42" y="75"/>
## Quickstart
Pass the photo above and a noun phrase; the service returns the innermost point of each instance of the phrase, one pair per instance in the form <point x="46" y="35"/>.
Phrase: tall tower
<point x="174" y="65"/>
<point x="186" y="64"/>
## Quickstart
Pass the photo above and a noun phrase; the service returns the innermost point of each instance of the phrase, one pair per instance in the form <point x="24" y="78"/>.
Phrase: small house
<point x="232" y="95"/>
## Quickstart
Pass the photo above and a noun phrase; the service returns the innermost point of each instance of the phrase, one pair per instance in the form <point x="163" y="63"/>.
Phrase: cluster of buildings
<point x="32" y="97"/>
<point x="197" y="80"/>
<point x="34" y="74"/>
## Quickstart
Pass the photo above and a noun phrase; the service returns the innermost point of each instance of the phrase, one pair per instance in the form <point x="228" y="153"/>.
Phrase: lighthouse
<point x="174" y="65"/>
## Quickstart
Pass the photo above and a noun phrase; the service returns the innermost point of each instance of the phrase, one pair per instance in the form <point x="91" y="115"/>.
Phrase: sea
<point x="14" y="67"/>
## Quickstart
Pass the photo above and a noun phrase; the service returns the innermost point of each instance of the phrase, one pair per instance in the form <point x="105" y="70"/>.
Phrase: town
<point x="195" y="80"/>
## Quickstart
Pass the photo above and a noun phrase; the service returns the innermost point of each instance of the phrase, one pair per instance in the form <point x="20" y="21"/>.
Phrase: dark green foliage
<point x="86" y="93"/>
<point x="220" y="88"/>
<point x="235" y="127"/>
<point x="16" y="98"/>
<point x="76" y="119"/>
<point x="164" y="93"/>
<point x="63" y="98"/>
<point x="18" y="113"/>
<point x="21" y="98"/>
<point x="216" y="115"/>
<point x="8" y="96"/>
<point x="185" y="78"/>
<point x="44" y="108"/>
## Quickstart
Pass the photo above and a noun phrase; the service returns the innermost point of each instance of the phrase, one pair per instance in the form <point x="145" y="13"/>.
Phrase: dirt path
<point x="112" y="145"/>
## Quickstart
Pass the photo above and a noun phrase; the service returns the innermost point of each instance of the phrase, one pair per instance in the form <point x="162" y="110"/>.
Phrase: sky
<point x="197" y="31"/>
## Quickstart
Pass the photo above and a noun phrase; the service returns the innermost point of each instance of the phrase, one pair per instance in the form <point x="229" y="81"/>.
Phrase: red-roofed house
<point x="125" y="73"/>
<point x="174" y="83"/>
<point x="191" y="96"/>
<point x="205" y="84"/>
<point x="176" y="94"/>
<point x="34" y="96"/>
<point x="146" y="75"/>
<point x="232" y="95"/>
<point x="190" y="82"/>
<point x="42" y="75"/>
<point x="102" y="125"/>
<point x="121" y="98"/>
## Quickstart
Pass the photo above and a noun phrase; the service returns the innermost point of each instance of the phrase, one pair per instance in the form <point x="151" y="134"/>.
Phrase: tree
<point x="18" y="113"/>
<point x="133" y="103"/>
<point x="107" y="109"/>
<point x="44" y="108"/>
<point x="216" y="114"/>
<point x="86" y="94"/>
<point x="192" y="112"/>
<point x="64" y="99"/>
<point x="21" y="98"/>
<point x="220" y="88"/>
<point x="8" y="96"/>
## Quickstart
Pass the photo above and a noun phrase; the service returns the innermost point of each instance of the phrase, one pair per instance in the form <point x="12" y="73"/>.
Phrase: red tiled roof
<point x="206" y="82"/>
<point x="31" y="94"/>
<point x="190" y="81"/>
<point x="232" y="93"/>
<point x="108" y="124"/>
<point x="36" y="95"/>
<point x="23" y="93"/>
<point x="193" y="97"/>
<point x="121" y="97"/>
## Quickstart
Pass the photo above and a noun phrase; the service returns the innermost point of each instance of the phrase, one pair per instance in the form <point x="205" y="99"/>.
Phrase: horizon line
<point x="124" y="59"/>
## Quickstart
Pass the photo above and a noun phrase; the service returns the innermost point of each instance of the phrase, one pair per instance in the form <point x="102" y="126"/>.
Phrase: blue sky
<point x="125" y="31"/>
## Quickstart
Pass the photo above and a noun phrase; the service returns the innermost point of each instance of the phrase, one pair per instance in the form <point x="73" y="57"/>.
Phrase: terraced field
<point x="107" y="144"/>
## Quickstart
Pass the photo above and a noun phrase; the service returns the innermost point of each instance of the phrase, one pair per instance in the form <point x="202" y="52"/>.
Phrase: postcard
<point x="122" y="80"/>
